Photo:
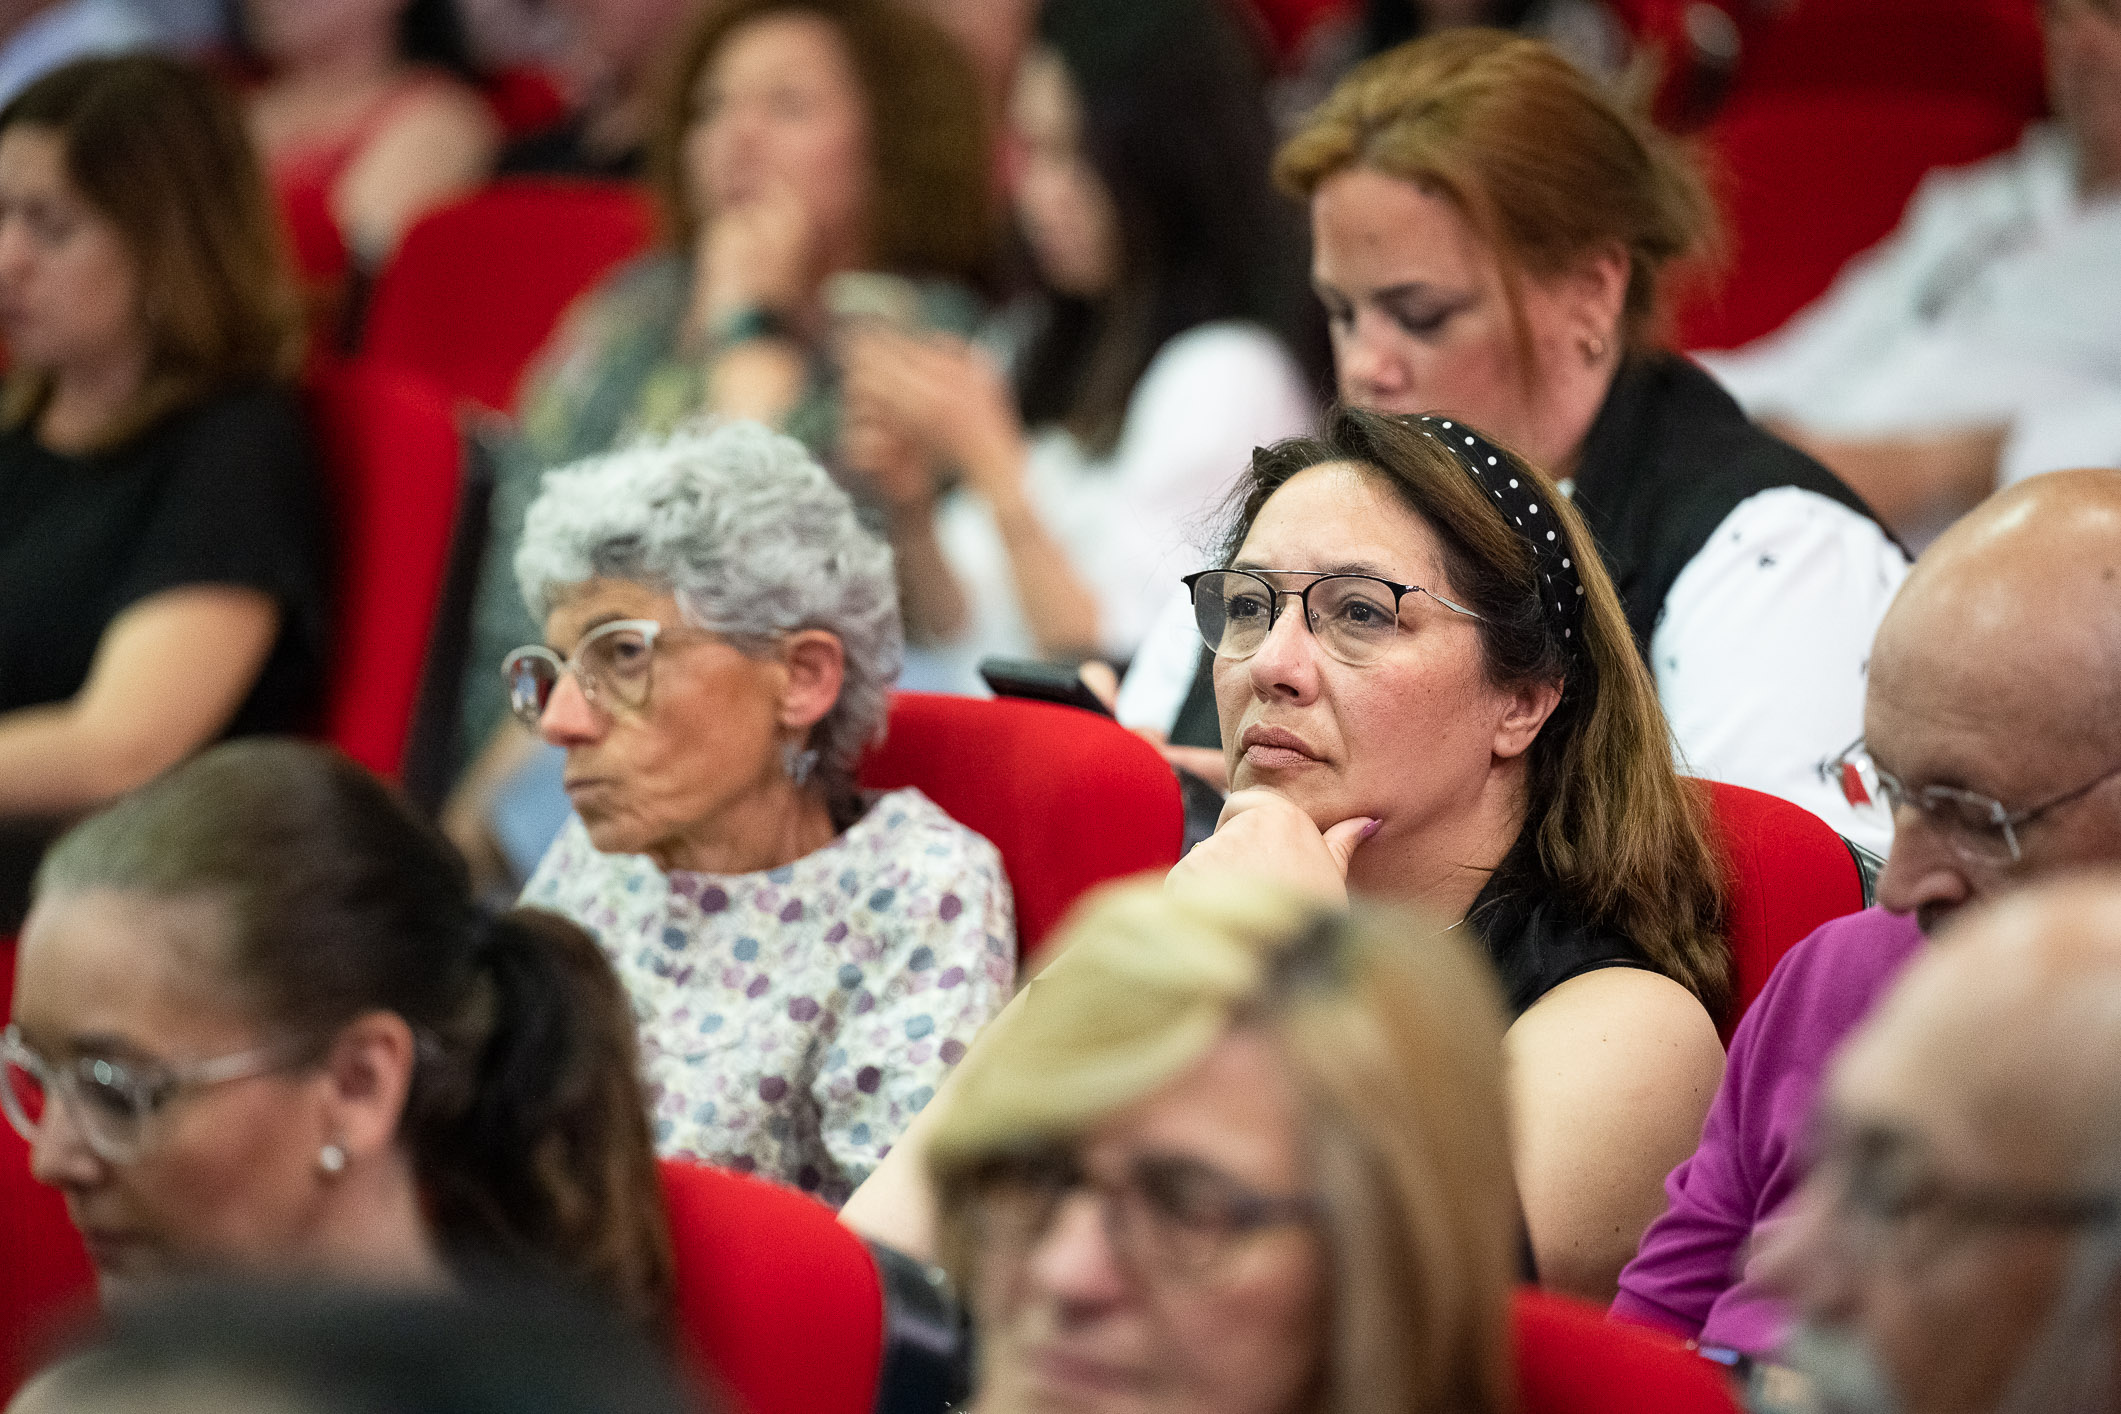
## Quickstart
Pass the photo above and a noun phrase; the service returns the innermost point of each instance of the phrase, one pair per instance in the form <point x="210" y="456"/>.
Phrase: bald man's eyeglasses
<point x="1980" y="828"/>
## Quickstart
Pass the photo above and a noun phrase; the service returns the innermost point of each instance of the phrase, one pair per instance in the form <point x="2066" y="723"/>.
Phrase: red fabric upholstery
<point x="1809" y="179"/>
<point x="524" y="100"/>
<point x="1987" y="50"/>
<point x="44" y="1272"/>
<point x="390" y="447"/>
<point x="1571" y="1361"/>
<point x="779" y="1300"/>
<point x="1788" y="871"/>
<point x="1071" y="799"/>
<point x="476" y="288"/>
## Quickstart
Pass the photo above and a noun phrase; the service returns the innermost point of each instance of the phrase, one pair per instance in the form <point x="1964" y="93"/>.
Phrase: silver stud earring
<point x="331" y="1158"/>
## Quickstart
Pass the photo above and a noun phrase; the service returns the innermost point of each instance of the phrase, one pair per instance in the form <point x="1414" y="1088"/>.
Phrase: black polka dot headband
<point x="1501" y="476"/>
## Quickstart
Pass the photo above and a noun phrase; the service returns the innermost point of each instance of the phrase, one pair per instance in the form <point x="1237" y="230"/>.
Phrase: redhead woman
<point x="1490" y="238"/>
<point x="260" y="1028"/>
<point x="1236" y="1152"/>
<point x="161" y="533"/>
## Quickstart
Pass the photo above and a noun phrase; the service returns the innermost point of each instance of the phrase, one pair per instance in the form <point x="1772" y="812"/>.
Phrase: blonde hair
<point x="1545" y="166"/>
<point x="1392" y="1034"/>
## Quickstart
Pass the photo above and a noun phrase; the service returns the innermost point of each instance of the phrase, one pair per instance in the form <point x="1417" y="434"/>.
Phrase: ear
<point x="368" y="1074"/>
<point x="1525" y="709"/>
<point x="814" y="666"/>
<point x="1593" y="295"/>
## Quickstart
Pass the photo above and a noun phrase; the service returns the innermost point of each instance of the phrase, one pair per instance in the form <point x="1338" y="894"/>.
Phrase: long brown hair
<point x="1392" y="1034"/>
<point x="1616" y="831"/>
<point x="1546" y="167"/>
<point x="525" y="1123"/>
<point x="159" y="149"/>
<point x="932" y="207"/>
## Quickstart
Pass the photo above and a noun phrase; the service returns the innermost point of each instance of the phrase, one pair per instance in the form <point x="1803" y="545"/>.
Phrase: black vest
<point x="1670" y="456"/>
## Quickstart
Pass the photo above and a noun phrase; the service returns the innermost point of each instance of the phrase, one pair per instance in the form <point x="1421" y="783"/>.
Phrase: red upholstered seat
<point x="1070" y="798"/>
<point x="778" y="1299"/>
<point x="476" y="288"/>
<point x="1788" y="873"/>
<point x="1571" y="1361"/>
<point x="524" y="99"/>
<point x="390" y="447"/>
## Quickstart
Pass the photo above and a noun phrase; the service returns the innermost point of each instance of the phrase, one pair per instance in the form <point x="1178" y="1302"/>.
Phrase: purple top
<point x="1692" y="1273"/>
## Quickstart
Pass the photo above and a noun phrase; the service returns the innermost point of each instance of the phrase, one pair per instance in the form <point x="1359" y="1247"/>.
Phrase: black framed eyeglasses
<point x="1979" y="827"/>
<point x="1354" y="617"/>
<point x="1166" y="1216"/>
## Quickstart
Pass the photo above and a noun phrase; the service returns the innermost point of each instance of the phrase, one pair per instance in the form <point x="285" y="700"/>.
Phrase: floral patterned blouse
<point x="793" y="1022"/>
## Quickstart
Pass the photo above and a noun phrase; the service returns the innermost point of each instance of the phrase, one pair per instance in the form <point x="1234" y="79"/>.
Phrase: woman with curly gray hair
<point x="721" y="637"/>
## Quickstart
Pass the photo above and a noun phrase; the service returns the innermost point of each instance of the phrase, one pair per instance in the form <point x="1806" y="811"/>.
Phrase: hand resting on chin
<point x="1262" y="834"/>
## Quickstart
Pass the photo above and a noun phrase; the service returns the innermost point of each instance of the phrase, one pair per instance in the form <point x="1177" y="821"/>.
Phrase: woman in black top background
<point x="161" y="551"/>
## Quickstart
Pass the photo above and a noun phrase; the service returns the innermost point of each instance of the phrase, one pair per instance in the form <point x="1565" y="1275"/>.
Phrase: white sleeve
<point x="1161" y="675"/>
<point x="1764" y="644"/>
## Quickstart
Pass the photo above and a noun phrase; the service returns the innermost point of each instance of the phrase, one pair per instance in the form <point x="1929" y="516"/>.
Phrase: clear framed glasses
<point x="1168" y="1218"/>
<point x="1980" y="828"/>
<point x="612" y="665"/>
<point x="113" y="1103"/>
<point x="1354" y="617"/>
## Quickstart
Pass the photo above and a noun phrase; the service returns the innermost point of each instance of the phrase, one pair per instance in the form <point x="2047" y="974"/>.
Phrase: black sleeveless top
<point x="1536" y="939"/>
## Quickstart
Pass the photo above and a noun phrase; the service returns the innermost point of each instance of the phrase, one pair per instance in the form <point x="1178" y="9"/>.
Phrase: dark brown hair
<point x="160" y="150"/>
<point x="1616" y="832"/>
<point x="932" y="204"/>
<point x="525" y="1122"/>
<point x="1545" y="166"/>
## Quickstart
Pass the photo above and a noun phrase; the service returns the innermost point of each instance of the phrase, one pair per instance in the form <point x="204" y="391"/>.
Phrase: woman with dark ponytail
<point x="259" y="1024"/>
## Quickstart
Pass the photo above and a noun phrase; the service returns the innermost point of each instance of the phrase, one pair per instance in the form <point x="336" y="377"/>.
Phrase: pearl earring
<point x="331" y="1158"/>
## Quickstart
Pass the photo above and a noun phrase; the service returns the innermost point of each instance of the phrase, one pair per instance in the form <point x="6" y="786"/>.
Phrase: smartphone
<point x="1041" y="682"/>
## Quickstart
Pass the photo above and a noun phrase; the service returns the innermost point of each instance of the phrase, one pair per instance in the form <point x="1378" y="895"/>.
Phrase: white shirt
<point x="1131" y="523"/>
<point x="1761" y="654"/>
<point x="1996" y="300"/>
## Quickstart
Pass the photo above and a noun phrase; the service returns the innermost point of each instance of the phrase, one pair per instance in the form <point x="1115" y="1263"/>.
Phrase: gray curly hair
<point x="752" y="538"/>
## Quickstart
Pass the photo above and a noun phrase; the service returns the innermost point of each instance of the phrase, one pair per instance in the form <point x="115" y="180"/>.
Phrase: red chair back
<point x="44" y="1272"/>
<point x="390" y="446"/>
<point x="524" y="99"/>
<point x="1070" y="798"/>
<point x="1788" y="873"/>
<point x="1570" y="1360"/>
<point x="476" y="288"/>
<point x="774" y="1296"/>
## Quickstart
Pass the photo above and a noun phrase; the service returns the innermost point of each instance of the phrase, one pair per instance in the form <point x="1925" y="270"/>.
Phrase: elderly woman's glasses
<point x="1981" y="829"/>
<point x="1354" y="617"/>
<point x="611" y="665"/>
<point x="112" y="1103"/>
<point x="1167" y="1217"/>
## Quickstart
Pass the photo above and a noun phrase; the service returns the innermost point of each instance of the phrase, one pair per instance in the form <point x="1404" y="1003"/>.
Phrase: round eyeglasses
<point x="1354" y="617"/>
<point x="1979" y="828"/>
<point x="611" y="665"/>
<point x="113" y="1103"/>
<point x="1166" y="1217"/>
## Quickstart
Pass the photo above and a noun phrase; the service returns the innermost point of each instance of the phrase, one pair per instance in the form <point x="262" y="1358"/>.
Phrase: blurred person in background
<point x="1233" y="1151"/>
<point x="1956" y="1248"/>
<point x="612" y="59"/>
<point x="1490" y="235"/>
<point x="261" y="1347"/>
<point x="807" y="961"/>
<point x="38" y="36"/>
<point x="161" y="532"/>
<point x="367" y="117"/>
<point x="1046" y="519"/>
<point x="802" y="139"/>
<point x="260" y="1028"/>
<point x="1981" y="341"/>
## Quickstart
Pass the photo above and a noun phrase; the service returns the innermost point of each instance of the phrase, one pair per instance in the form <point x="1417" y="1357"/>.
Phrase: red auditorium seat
<point x="1571" y="1361"/>
<point x="773" y="1294"/>
<point x="476" y="288"/>
<point x="1788" y="872"/>
<point x="390" y="446"/>
<point x="524" y="100"/>
<point x="1808" y="179"/>
<point x="1070" y="798"/>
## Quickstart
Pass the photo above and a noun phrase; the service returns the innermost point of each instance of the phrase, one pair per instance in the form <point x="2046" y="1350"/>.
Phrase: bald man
<point x="1993" y="733"/>
<point x="1956" y="1245"/>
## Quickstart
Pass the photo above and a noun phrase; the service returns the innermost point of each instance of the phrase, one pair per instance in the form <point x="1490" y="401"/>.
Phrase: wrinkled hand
<point x="758" y="255"/>
<point x="1263" y="835"/>
<point x="940" y="394"/>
